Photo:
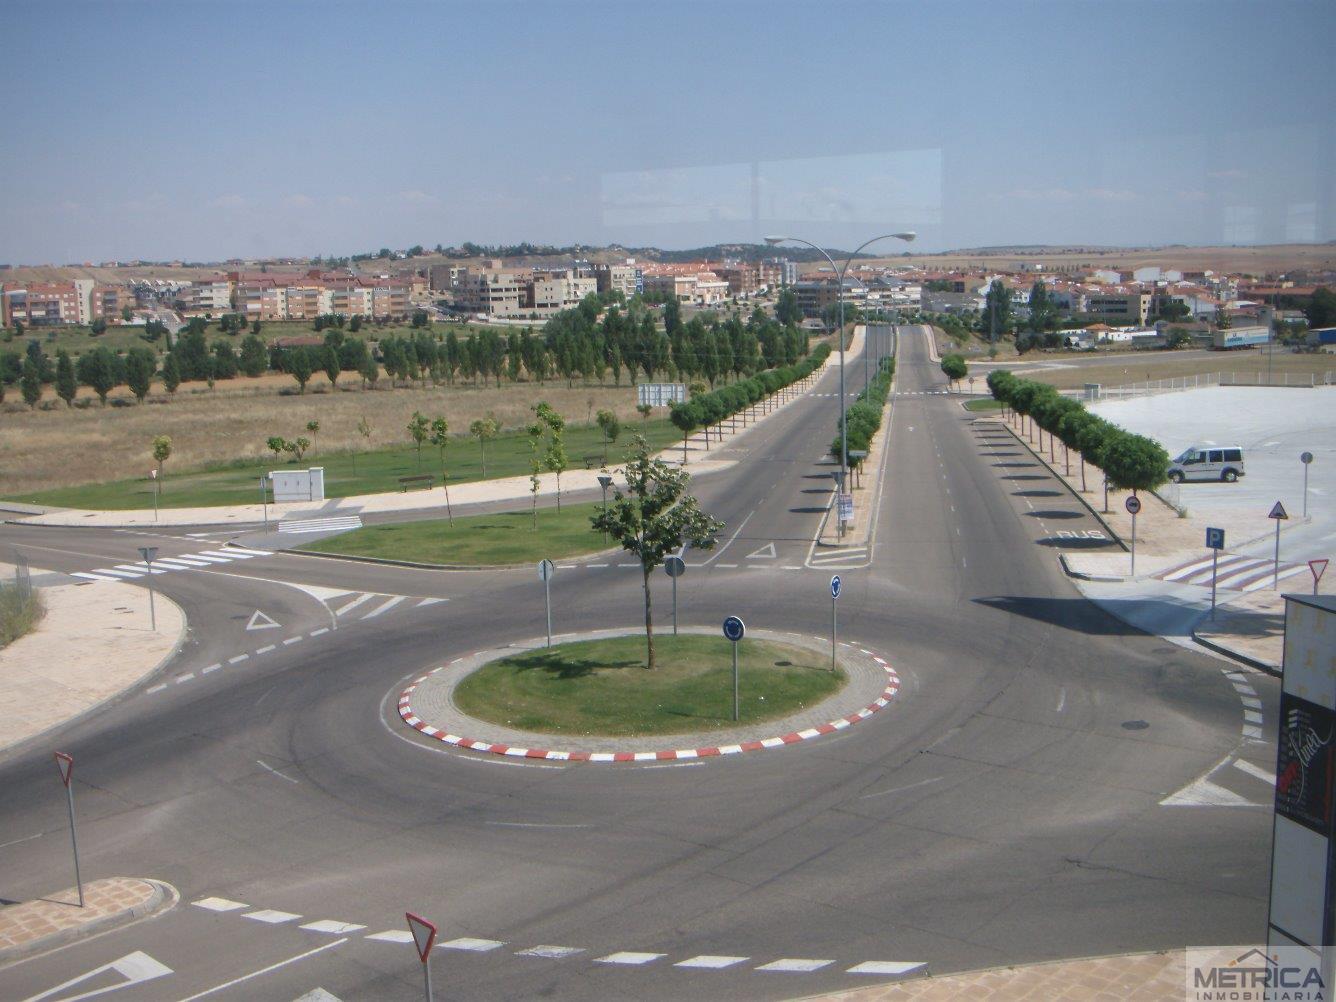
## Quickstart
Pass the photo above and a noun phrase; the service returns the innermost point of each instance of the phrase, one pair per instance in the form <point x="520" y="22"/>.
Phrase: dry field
<point x="1230" y="260"/>
<point x="63" y="447"/>
<point x="1138" y="367"/>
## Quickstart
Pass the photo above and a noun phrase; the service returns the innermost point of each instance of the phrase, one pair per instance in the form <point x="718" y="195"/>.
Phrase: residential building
<point x="624" y="278"/>
<point x="743" y="279"/>
<point x="549" y="292"/>
<point x="442" y="277"/>
<point x="494" y="292"/>
<point x="44" y="304"/>
<point x="206" y="297"/>
<point x="1120" y="306"/>
<point x="108" y="302"/>
<point x="680" y="287"/>
<point x="814" y="295"/>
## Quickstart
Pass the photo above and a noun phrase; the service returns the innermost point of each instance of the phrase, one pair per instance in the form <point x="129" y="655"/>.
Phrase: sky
<point x="206" y="130"/>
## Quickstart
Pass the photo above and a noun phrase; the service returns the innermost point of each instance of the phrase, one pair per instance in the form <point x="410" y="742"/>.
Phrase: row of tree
<point x="1129" y="462"/>
<point x="863" y="419"/>
<point x="705" y="410"/>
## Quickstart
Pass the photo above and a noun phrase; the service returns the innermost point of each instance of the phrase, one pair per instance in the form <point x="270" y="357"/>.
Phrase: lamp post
<point x="840" y="270"/>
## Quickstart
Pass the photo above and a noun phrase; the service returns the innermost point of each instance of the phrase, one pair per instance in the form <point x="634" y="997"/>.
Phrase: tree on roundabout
<point x="652" y="518"/>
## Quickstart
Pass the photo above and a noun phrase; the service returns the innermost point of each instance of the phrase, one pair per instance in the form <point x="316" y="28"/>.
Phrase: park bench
<point x="593" y="462"/>
<point x="421" y="480"/>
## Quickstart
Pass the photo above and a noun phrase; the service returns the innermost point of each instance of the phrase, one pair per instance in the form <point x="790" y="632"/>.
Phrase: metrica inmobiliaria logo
<point x="1254" y="974"/>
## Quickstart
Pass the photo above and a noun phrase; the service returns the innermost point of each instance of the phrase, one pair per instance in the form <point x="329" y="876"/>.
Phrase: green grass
<point x="20" y="612"/>
<point x="478" y="540"/>
<point x="348" y="474"/>
<point x="601" y="687"/>
<point x="984" y="404"/>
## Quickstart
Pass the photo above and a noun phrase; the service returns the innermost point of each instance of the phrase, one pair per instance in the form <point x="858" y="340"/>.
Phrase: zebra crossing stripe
<point x="119" y="574"/>
<point x="364" y="597"/>
<point x="224" y="555"/>
<point x="93" y="577"/>
<point x="384" y="607"/>
<point x="253" y="553"/>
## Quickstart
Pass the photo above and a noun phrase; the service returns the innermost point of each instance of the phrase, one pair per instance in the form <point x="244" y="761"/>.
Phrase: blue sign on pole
<point x="835" y="586"/>
<point x="1215" y="539"/>
<point x="734" y="629"/>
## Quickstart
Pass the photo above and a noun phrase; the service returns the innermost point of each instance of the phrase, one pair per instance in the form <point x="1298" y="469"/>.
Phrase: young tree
<point x="314" y="428"/>
<point x="653" y="517"/>
<point x="555" y="458"/>
<point x="171" y="373"/>
<point x="954" y="367"/>
<point x="483" y="429"/>
<point x="611" y="428"/>
<point x="30" y="383"/>
<point x="535" y="430"/>
<point x="66" y="385"/>
<point x="297" y="447"/>
<point x="440" y="437"/>
<point x="363" y="429"/>
<point x="254" y="356"/>
<point x="299" y="366"/>
<point x="417" y="431"/>
<point x="277" y="445"/>
<point x="686" y="418"/>
<point x="140" y="364"/>
<point x="369" y="372"/>
<point x="645" y="410"/>
<point x="162" y="451"/>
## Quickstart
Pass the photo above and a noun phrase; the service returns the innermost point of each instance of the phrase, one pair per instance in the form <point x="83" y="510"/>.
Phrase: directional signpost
<point x="734" y="629"/>
<point x="1133" y="505"/>
<point x="605" y="481"/>
<point x="65" y="763"/>
<point x="834" y="596"/>
<point x="424" y="935"/>
<point x="1215" y="542"/>
<point x="1279" y="514"/>
<point x="1307" y="459"/>
<point x="153" y="475"/>
<point x="1317" y="568"/>
<point x="674" y="567"/>
<point x="546" y="569"/>
<point x="150" y="553"/>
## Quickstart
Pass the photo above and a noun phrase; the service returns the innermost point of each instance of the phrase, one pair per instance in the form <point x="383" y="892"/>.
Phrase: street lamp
<point x="906" y="236"/>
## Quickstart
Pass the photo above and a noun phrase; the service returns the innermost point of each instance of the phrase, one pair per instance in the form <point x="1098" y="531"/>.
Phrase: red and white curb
<point x="669" y="754"/>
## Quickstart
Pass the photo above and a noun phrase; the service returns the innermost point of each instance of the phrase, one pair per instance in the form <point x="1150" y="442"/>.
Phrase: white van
<point x="1208" y="462"/>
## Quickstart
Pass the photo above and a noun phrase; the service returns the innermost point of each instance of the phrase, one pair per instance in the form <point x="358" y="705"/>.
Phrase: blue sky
<point x="207" y="130"/>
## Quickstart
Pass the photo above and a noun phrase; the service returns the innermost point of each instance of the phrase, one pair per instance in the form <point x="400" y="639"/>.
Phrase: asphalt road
<point x="1006" y="808"/>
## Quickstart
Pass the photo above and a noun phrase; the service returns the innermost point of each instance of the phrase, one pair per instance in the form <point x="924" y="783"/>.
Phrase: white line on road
<point x="384" y="607"/>
<point x="266" y="649"/>
<point x="238" y="659"/>
<point x="1062" y="699"/>
<point x="531" y="824"/>
<point x="19" y="841"/>
<point x="319" y="632"/>
<point x="364" y="597"/>
<point x="1244" y="765"/>
<point x="280" y="775"/>
<point x="266" y="970"/>
<point x="900" y="789"/>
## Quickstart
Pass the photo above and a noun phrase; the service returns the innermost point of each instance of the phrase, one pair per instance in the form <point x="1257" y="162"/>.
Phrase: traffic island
<point x="590" y="699"/>
<point x="33" y="927"/>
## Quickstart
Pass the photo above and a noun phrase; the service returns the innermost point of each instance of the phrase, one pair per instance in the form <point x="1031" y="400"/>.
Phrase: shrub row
<point x="1130" y="462"/>
<point x="710" y="408"/>
<point x="863" y="419"/>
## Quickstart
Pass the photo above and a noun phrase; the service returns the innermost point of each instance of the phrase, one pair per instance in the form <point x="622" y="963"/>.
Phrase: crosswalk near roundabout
<point x="426" y="706"/>
<point x="1234" y="572"/>
<point x="165" y="565"/>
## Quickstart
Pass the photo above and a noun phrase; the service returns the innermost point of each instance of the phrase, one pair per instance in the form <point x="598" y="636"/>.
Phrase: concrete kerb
<point x="417" y="565"/>
<point x="162" y="898"/>
<point x="873" y="683"/>
<point x="1239" y="656"/>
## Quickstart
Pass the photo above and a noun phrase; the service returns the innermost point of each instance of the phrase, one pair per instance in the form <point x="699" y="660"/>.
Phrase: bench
<point x="593" y="462"/>
<point x="421" y="480"/>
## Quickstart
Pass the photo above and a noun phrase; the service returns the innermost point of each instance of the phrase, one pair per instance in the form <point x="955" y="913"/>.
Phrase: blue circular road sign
<point x="835" y="586"/>
<point x="734" y="629"/>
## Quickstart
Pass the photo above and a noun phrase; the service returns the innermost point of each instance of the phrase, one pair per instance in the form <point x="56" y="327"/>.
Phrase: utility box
<point x="1303" y="850"/>
<point x="298" y="485"/>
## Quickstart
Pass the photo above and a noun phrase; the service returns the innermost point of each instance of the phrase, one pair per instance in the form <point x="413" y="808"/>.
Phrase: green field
<point x="478" y="540"/>
<point x="984" y="404"/>
<point x="348" y="474"/>
<point x="601" y="687"/>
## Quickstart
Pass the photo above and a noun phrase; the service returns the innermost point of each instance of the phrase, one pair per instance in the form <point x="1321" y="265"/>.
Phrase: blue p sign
<point x="835" y="586"/>
<point x="1215" y="539"/>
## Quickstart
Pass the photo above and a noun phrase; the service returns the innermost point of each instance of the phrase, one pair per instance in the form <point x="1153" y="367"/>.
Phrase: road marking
<point x="364" y="597"/>
<point x="330" y="926"/>
<point x="319" y="632"/>
<point x="211" y="668"/>
<point x="238" y="659"/>
<point x="885" y="967"/>
<point x="266" y="970"/>
<point x="266" y="649"/>
<point x="93" y="577"/>
<point x="550" y="952"/>
<point x="766" y="552"/>
<point x="270" y="916"/>
<point x="711" y="963"/>
<point x="225" y="555"/>
<point x="900" y="789"/>
<point x="1062" y="699"/>
<point x="795" y="965"/>
<point x="135" y="968"/>
<point x="531" y="824"/>
<point x="218" y="904"/>
<point x="261" y="621"/>
<point x="155" y="688"/>
<point x="392" y="936"/>
<point x="280" y="775"/>
<point x="1245" y="766"/>
<point x="248" y="550"/>
<point x="19" y="841"/>
<point x="629" y="958"/>
<point x="384" y="607"/>
<point x="293" y="640"/>
<point x="184" y="678"/>
<point x="472" y="945"/>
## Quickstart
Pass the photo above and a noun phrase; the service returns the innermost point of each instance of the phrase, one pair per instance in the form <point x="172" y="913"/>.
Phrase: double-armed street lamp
<point x="840" y="270"/>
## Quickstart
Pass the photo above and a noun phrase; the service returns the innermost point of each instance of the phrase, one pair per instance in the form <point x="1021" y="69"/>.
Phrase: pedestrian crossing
<point x="922" y="393"/>
<point x="164" y="565"/>
<point x="334" y="524"/>
<point x="1234" y="572"/>
<point x="844" y="558"/>
<point x="370" y="604"/>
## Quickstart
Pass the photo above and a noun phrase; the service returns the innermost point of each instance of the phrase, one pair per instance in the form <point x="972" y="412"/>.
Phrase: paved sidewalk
<point x="36" y="926"/>
<point x="699" y="463"/>
<point x="92" y="645"/>
<point x="1133" y="977"/>
<point x="432" y="702"/>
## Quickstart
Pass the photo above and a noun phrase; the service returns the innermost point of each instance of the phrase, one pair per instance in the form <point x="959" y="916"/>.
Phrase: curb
<point x="1082" y="575"/>
<point x="388" y="562"/>
<point x="115" y="697"/>
<point x="1074" y="493"/>
<point x="405" y="710"/>
<point x="1233" y="655"/>
<point x="164" y="896"/>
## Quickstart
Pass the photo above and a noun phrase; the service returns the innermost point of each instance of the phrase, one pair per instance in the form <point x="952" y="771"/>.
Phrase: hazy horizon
<point x="312" y="128"/>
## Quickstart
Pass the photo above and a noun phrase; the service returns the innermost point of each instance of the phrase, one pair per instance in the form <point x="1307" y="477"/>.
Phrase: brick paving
<point x="1134" y="977"/>
<point x="433" y="702"/>
<point x="24" y="927"/>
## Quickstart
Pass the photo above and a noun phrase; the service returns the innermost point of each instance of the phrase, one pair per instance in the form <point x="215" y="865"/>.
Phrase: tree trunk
<point x="1083" y="480"/>
<point x="649" y="622"/>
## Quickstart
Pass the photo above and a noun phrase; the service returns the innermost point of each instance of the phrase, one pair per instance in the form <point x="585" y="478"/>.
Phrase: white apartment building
<point x="206" y="296"/>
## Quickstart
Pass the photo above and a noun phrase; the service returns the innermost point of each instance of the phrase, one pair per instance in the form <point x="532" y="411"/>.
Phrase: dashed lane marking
<point x="795" y="965"/>
<point x="630" y="958"/>
<point x="471" y="945"/>
<point x="218" y="904"/>
<point x="550" y="952"/>
<point x="270" y="916"/>
<point x="710" y="963"/>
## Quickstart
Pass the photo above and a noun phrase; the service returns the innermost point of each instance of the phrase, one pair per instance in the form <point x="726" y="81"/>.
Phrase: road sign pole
<point x="426" y="973"/>
<point x="547" y="601"/>
<point x="1134" y="544"/>
<point x="264" y="502"/>
<point x="1275" y="569"/>
<point x="155" y="499"/>
<point x="735" y="681"/>
<point x="65" y="763"/>
<point x="1305" y="490"/>
<point x="1215" y="564"/>
<point x="148" y="553"/>
<point x="833" y="602"/>
<point x="674" y="605"/>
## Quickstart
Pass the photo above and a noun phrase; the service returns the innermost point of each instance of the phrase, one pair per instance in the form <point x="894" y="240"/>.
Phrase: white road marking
<point x="266" y="649"/>
<point x="184" y="678"/>
<point x="293" y="640"/>
<point x="226" y="555"/>
<point x="1244" y="765"/>
<point x="711" y="963"/>
<point x="795" y="965"/>
<point x="270" y="916"/>
<point x="629" y="958"/>
<point x="238" y="659"/>
<point x="155" y="688"/>
<point x="392" y="936"/>
<point x="531" y="824"/>
<point x="470" y="944"/>
<point x="364" y="597"/>
<point x="1062" y="699"/>
<point x="19" y="841"/>
<point x="266" y="970"/>
<point x="212" y="667"/>
<point x="900" y="789"/>
<point x="253" y="553"/>
<point x="330" y="926"/>
<point x="885" y="967"/>
<point x="550" y="952"/>
<point x="384" y="607"/>
<point x="218" y="904"/>
<point x="280" y="775"/>
<point x="319" y="632"/>
<point x="431" y="601"/>
<point x="93" y="577"/>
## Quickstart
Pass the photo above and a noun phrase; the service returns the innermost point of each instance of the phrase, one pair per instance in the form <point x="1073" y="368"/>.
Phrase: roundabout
<point x="431" y="705"/>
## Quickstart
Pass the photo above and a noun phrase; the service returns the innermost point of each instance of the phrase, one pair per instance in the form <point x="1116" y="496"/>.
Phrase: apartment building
<point x="743" y="279"/>
<point x="443" y="277"/>
<point x="814" y="295"/>
<point x="679" y="287"/>
<point x="43" y="304"/>
<point x="305" y="297"/>
<point x="1121" y="307"/>
<point x="624" y="278"/>
<point x="495" y="292"/>
<point x="551" y="292"/>
<point x="206" y="297"/>
<point x="108" y="302"/>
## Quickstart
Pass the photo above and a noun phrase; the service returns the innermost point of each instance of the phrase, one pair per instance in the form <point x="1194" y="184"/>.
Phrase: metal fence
<point x="1176" y="384"/>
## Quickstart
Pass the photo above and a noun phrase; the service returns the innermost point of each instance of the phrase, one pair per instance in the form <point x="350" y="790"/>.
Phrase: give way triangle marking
<point x="135" y="968"/>
<point x="766" y="551"/>
<point x="259" y="621"/>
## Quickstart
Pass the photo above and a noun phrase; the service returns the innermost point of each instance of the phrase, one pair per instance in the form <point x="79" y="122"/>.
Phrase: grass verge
<point x="348" y="473"/>
<point x="984" y="404"/>
<point x="20" y="611"/>
<point x="478" y="540"/>
<point x="600" y="687"/>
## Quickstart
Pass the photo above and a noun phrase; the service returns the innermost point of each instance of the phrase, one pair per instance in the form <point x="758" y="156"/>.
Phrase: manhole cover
<point x="1135" y="725"/>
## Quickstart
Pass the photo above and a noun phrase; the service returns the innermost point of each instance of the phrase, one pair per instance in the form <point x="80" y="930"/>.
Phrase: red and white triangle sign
<point x="1318" y="567"/>
<point x="65" y="763"/>
<point x="424" y="934"/>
